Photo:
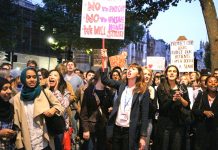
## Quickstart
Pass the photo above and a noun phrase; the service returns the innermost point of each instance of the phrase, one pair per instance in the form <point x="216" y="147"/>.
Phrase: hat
<point x="14" y="73"/>
<point x="3" y="81"/>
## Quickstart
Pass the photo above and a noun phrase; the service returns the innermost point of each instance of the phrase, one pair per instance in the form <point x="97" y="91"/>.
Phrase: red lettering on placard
<point x="90" y="18"/>
<point x="94" y="6"/>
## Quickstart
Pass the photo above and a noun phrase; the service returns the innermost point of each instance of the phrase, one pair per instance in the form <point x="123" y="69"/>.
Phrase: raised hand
<point x="104" y="53"/>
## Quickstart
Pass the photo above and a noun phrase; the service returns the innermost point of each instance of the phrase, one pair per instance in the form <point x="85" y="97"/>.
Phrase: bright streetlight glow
<point x="144" y="60"/>
<point x="50" y="40"/>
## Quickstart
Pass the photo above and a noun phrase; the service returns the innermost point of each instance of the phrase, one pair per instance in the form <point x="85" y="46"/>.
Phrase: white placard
<point x="182" y="55"/>
<point x="156" y="63"/>
<point x="103" y="19"/>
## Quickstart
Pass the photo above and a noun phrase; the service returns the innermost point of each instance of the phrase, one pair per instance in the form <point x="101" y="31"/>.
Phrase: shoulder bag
<point x="55" y="124"/>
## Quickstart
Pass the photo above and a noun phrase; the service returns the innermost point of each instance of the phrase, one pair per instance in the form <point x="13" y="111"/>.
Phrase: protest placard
<point x="182" y="55"/>
<point x="118" y="60"/>
<point x="156" y="63"/>
<point x="103" y="19"/>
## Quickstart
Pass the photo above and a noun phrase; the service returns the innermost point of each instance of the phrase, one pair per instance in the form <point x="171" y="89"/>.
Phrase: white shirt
<point x="36" y="133"/>
<point x="124" y="110"/>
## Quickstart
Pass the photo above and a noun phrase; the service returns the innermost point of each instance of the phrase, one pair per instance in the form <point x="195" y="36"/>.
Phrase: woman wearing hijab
<point x="31" y="105"/>
<point x="6" y="116"/>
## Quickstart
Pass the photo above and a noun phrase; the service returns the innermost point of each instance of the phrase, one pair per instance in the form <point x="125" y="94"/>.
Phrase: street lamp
<point x="50" y="40"/>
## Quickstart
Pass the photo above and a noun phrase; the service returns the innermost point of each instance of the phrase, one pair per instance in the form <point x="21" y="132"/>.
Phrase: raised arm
<point x="104" y="74"/>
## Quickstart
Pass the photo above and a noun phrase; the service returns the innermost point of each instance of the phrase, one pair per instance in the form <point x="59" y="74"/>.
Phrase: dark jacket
<point x="171" y="124"/>
<point x="139" y="111"/>
<point x="206" y="128"/>
<point x="90" y="114"/>
<point x="170" y="110"/>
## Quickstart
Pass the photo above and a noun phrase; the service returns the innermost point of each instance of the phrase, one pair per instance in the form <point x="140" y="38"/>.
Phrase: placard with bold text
<point x="103" y="19"/>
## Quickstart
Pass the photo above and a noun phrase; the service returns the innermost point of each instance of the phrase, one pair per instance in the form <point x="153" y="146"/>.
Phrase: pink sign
<point x="103" y="19"/>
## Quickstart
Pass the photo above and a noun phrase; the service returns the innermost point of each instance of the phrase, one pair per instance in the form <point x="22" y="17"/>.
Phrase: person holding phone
<point x="173" y="101"/>
<point x="7" y="134"/>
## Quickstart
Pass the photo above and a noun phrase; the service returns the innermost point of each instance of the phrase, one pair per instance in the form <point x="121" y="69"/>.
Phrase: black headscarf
<point x="6" y="108"/>
<point x="27" y="93"/>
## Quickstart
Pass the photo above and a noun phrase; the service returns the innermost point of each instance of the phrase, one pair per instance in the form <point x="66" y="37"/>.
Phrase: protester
<point x="79" y="73"/>
<point x="118" y="69"/>
<point x="148" y="74"/>
<point x="156" y="80"/>
<point x="31" y="105"/>
<point x="124" y="75"/>
<point x="58" y="87"/>
<point x="76" y="82"/>
<point x="43" y="77"/>
<point x="184" y="79"/>
<point x="115" y="75"/>
<point x="63" y="70"/>
<point x="130" y="111"/>
<point x="6" y="66"/>
<point x="7" y="133"/>
<point x="15" y="81"/>
<point x="194" y="80"/>
<point x="88" y="78"/>
<point x="94" y="114"/>
<point x="73" y="78"/>
<point x="5" y="74"/>
<point x="173" y="101"/>
<point x="32" y="63"/>
<point x="203" y="82"/>
<point x="205" y="110"/>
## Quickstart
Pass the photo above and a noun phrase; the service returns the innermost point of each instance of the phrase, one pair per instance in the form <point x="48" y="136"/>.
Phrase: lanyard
<point x="126" y="102"/>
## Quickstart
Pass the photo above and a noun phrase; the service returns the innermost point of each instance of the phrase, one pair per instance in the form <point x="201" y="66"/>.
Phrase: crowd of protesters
<point x="108" y="109"/>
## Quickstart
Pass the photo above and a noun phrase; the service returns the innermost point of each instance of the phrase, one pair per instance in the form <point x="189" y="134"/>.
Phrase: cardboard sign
<point x="118" y="60"/>
<point x="156" y="63"/>
<point x="103" y="19"/>
<point x="182" y="55"/>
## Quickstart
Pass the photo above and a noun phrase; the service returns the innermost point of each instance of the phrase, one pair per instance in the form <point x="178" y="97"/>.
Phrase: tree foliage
<point x="139" y="14"/>
<point x="65" y="16"/>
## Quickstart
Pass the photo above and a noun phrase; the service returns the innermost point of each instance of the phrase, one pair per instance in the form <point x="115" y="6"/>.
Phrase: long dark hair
<point x="164" y="80"/>
<point x="62" y="85"/>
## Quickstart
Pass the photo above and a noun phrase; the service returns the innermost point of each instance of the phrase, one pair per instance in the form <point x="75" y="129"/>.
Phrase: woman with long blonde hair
<point x="148" y="75"/>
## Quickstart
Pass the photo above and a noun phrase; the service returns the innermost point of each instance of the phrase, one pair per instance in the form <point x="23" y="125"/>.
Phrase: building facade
<point x="148" y="46"/>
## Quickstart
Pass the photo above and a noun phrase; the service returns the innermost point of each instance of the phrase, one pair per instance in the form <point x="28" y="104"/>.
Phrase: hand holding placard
<point x="104" y="57"/>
